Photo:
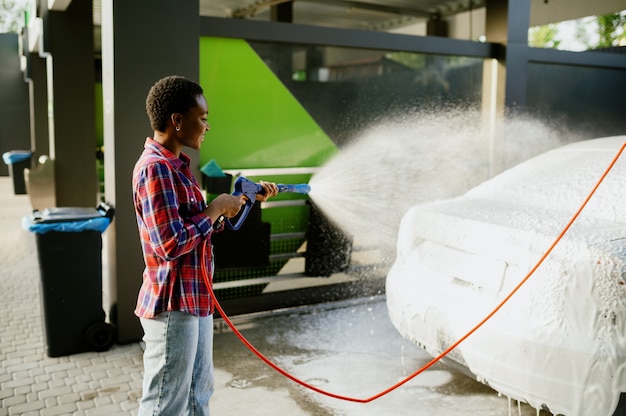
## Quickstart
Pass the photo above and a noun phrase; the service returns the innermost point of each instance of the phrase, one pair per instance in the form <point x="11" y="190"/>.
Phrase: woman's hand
<point x="226" y="205"/>
<point x="270" y="189"/>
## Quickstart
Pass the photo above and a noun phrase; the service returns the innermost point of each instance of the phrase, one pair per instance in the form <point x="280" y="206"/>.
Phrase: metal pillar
<point x="142" y="41"/>
<point x="505" y="84"/>
<point x="14" y="134"/>
<point x="282" y="12"/>
<point x="39" y="134"/>
<point x="505" y="76"/>
<point x="68" y="39"/>
<point x="517" y="53"/>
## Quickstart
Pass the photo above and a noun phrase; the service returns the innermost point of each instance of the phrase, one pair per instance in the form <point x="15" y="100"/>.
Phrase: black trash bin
<point x="18" y="160"/>
<point x="214" y="180"/>
<point x="69" y="248"/>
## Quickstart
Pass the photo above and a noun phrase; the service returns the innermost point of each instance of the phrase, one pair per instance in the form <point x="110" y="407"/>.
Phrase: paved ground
<point x="347" y="348"/>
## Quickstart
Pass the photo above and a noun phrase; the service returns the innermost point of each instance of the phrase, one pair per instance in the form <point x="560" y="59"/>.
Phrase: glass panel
<point x="579" y="97"/>
<point x="347" y="89"/>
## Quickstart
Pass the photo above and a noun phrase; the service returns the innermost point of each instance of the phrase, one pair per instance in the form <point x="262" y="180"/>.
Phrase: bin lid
<point x="16" y="156"/>
<point x="212" y="170"/>
<point x="61" y="214"/>
<point x="69" y="219"/>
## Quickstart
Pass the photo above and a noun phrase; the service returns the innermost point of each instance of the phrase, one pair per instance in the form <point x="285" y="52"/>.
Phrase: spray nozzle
<point x="301" y="188"/>
<point x="250" y="189"/>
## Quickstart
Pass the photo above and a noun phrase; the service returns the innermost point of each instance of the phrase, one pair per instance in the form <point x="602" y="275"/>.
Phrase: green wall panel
<point x="255" y="121"/>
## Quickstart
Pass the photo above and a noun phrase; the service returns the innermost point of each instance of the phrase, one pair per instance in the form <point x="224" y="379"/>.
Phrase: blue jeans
<point x="178" y="365"/>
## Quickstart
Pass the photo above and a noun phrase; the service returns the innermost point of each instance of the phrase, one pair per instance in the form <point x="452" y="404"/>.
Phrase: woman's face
<point x="194" y="124"/>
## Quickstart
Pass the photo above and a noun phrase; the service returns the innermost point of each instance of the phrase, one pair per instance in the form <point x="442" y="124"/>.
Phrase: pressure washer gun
<point x="244" y="186"/>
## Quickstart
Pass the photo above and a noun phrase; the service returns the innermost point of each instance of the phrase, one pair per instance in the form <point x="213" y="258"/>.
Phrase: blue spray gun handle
<point x="244" y="186"/>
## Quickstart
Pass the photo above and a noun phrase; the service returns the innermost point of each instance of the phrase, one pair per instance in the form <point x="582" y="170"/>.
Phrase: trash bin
<point x="214" y="180"/>
<point x="18" y="160"/>
<point x="69" y="248"/>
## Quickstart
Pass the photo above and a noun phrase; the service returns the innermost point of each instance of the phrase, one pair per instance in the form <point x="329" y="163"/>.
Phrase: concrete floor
<point x="346" y="348"/>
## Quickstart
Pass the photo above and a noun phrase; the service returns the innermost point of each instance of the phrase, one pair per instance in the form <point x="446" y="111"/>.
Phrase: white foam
<point x="561" y="340"/>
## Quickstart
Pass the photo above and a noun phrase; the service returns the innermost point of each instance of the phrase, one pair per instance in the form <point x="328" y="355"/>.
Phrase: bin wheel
<point x="100" y="336"/>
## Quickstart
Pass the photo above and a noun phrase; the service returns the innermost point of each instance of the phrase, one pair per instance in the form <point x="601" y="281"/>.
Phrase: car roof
<point x="561" y="179"/>
<point x="533" y="201"/>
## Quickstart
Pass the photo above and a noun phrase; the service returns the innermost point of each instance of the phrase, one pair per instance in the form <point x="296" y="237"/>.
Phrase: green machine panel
<point x="258" y="129"/>
<point x="255" y="121"/>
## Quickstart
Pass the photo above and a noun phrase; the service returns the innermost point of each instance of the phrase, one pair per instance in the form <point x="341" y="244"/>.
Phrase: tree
<point x="12" y="15"/>
<point x="611" y="29"/>
<point x="589" y="32"/>
<point x="544" y="36"/>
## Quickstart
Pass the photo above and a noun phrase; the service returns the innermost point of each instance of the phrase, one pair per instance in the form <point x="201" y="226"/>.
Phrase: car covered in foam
<point x="559" y="342"/>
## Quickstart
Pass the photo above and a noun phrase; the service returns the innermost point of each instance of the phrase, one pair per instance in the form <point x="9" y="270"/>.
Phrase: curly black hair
<point x="169" y="95"/>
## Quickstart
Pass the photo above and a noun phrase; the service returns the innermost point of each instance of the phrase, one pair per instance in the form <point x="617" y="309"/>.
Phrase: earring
<point x="177" y="128"/>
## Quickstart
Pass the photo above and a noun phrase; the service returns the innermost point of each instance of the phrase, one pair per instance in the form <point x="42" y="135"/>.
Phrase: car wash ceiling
<point x="385" y="15"/>
<point x="366" y="15"/>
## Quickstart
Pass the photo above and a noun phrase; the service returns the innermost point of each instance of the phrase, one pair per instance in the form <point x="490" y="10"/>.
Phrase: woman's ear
<point x="176" y="120"/>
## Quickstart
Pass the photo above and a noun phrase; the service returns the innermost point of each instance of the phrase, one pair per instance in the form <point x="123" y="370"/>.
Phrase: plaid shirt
<point x="175" y="235"/>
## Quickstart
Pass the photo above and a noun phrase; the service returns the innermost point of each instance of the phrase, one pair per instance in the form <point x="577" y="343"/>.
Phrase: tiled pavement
<point x="31" y="383"/>
<point x="105" y="383"/>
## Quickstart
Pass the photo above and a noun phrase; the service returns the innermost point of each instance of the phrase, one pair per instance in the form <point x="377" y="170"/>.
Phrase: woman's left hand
<point x="270" y="189"/>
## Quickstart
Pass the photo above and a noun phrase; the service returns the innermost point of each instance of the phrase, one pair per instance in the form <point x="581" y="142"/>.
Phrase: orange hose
<point x="447" y="350"/>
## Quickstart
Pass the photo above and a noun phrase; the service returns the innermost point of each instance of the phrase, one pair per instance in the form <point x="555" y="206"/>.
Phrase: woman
<point x="175" y="227"/>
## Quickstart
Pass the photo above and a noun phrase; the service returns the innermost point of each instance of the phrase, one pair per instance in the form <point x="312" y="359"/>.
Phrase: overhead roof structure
<point x="386" y="14"/>
<point x="366" y="15"/>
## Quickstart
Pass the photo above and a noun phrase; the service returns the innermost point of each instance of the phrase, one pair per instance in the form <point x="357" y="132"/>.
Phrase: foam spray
<point x="418" y="157"/>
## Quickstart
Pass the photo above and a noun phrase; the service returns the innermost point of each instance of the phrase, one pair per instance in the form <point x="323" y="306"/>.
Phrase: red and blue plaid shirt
<point x="175" y="235"/>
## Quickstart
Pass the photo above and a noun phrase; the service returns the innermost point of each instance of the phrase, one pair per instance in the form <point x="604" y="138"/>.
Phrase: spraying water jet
<point x="418" y="157"/>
